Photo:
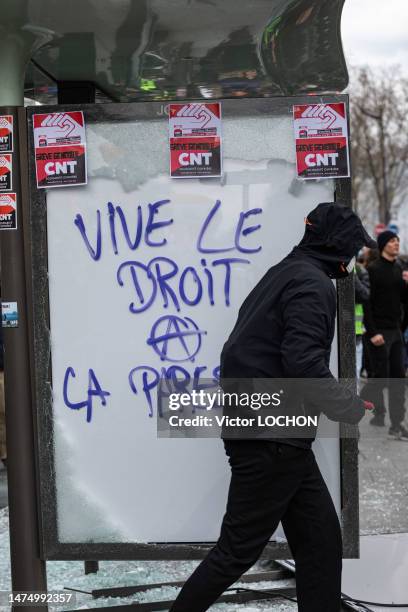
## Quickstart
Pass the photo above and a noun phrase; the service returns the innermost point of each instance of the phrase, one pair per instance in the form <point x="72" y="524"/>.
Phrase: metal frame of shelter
<point x="32" y="213"/>
<point x="315" y="25"/>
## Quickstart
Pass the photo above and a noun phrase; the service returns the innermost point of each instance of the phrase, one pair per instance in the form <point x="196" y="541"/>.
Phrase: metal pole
<point x="18" y="41"/>
<point x="28" y="571"/>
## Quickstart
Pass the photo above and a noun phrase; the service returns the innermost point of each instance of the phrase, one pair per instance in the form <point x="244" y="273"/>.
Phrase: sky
<point x="375" y="32"/>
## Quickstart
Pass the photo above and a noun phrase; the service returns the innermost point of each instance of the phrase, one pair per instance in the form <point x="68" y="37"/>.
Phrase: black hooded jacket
<point x="285" y="326"/>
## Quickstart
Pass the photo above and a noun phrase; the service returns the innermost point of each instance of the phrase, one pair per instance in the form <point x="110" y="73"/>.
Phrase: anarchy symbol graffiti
<point x="176" y="338"/>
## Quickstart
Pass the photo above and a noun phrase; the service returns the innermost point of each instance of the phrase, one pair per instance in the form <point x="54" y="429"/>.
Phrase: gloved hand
<point x="368" y="405"/>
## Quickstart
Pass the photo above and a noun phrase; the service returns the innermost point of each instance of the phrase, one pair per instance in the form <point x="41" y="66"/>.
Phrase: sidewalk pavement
<point x="383" y="476"/>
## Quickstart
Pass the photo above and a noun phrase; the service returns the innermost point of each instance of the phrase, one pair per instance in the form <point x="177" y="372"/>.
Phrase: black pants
<point x="272" y="482"/>
<point x="387" y="362"/>
<point x="367" y="366"/>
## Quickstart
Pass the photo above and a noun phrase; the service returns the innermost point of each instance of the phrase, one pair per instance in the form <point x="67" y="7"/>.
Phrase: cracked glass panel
<point x="146" y="276"/>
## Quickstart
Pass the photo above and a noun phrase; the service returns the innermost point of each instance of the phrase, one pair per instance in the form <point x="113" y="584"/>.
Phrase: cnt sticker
<point x="6" y="133"/>
<point x="60" y="149"/>
<point x="8" y="211"/>
<point x="195" y="140"/>
<point x="321" y="137"/>
<point x="5" y="173"/>
<point x="9" y="314"/>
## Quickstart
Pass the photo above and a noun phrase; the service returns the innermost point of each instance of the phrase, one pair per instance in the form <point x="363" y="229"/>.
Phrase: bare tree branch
<point x="379" y="143"/>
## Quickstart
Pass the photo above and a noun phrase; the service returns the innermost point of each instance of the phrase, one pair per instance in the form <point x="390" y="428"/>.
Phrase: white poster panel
<point x="146" y="274"/>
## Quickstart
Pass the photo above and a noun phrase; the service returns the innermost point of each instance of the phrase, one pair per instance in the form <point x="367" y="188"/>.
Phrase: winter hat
<point x="385" y="237"/>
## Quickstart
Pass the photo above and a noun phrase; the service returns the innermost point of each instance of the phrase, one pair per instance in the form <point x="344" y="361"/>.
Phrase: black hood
<point x="333" y="235"/>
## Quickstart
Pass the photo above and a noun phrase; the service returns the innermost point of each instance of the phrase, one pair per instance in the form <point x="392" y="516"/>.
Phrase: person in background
<point x="404" y="326"/>
<point x="382" y="319"/>
<point x="370" y="255"/>
<point x="362" y="295"/>
<point x="404" y="329"/>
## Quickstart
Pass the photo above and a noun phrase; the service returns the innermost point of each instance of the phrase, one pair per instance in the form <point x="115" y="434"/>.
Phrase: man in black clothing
<point x="383" y="317"/>
<point x="285" y="329"/>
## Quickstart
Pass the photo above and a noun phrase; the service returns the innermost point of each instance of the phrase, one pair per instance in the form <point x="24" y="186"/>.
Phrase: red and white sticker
<point x="196" y="119"/>
<point x="321" y="138"/>
<point x="60" y="149"/>
<point x="195" y="157"/>
<point x="60" y="166"/>
<point x="6" y="133"/>
<point x="195" y="140"/>
<point x="57" y="129"/>
<point x="322" y="158"/>
<point x="8" y="211"/>
<point x="5" y="173"/>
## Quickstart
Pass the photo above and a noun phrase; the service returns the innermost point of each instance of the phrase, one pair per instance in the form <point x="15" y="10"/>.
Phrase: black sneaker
<point x="404" y="433"/>
<point x="394" y="433"/>
<point x="377" y="421"/>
